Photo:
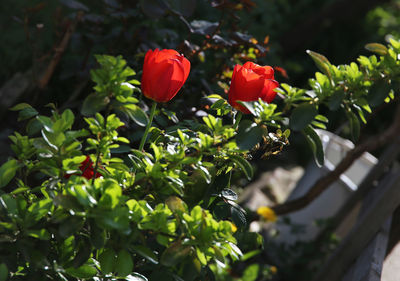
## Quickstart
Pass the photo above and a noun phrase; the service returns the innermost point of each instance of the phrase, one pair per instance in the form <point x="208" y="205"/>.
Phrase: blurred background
<point x="47" y="50"/>
<point x="48" y="46"/>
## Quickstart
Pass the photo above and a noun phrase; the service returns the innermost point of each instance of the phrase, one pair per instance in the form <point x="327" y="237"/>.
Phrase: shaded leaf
<point x="146" y="253"/>
<point x="124" y="264"/>
<point x="302" y="115"/>
<point x="316" y="145"/>
<point x="377" y="48"/>
<point x="244" y="165"/>
<point x="94" y="103"/>
<point x="7" y="172"/>
<point x="249" y="134"/>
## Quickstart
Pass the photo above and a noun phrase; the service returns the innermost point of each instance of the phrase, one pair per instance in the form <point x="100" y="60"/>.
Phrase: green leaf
<point x="146" y="253"/>
<point x="136" y="114"/>
<point x="250" y="254"/>
<point x="354" y="125"/>
<point x="111" y="195"/>
<point x="38" y="210"/>
<point x="9" y="203"/>
<point x="7" y="172"/>
<point x="175" y="253"/>
<point x="107" y="261"/>
<point x="377" y="48"/>
<point x="378" y="92"/>
<point x="41" y="234"/>
<point x="33" y="127"/>
<point x="27" y="113"/>
<point x="94" y="103"/>
<point x="85" y="271"/>
<point x="335" y="100"/>
<point x="238" y="217"/>
<point x="70" y="226"/>
<point x="124" y="263"/>
<point x="249" y="134"/>
<point x="302" y="116"/>
<point x="3" y="272"/>
<point x="20" y="106"/>
<point x="316" y="145"/>
<point x="229" y="194"/>
<point x="175" y="203"/>
<point x="136" y="277"/>
<point x="250" y="106"/>
<point x="68" y="117"/>
<point x="322" y="62"/>
<point x="244" y="165"/>
<point x="251" y="272"/>
<point x="192" y="269"/>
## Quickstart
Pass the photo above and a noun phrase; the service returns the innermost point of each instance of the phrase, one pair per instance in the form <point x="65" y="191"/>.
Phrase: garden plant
<point x="126" y="189"/>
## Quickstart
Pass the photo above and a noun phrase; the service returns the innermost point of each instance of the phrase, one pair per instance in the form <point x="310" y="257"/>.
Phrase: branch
<point x="44" y="80"/>
<point x="324" y="182"/>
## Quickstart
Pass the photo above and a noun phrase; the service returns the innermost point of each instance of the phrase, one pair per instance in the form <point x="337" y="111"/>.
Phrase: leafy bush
<point x="165" y="212"/>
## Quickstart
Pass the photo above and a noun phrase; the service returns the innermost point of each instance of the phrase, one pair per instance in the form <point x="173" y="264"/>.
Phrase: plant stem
<point x="96" y="165"/>
<point x="146" y="132"/>
<point x="237" y="120"/>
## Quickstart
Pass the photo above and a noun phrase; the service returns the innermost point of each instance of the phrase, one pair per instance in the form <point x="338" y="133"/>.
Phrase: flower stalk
<point x="146" y="131"/>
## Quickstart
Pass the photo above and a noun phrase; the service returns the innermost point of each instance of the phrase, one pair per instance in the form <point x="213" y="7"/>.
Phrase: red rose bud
<point x="251" y="82"/>
<point x="87" y="169"/>
<point x="164" y="73"/>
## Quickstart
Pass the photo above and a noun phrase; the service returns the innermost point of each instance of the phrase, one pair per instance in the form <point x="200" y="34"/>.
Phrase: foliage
<point x="167" y="210"/>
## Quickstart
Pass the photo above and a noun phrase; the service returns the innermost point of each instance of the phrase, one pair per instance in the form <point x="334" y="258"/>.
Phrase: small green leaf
<point x="249" y="105"/>
<point x="322" y="62"/>
<point x="244" y="165"/>
<point x="315" y="143"/>
<point x="20" y="106"/>
<point x="249" y="134"/>
<point x="250" y="254"/>
<point x="41" y="234"/>
<point x="229" y="194"/>
<point x="175" y="253"/>
<point x="124" y="263"/>
<point x="85" y="271"/>
<point x="175" y="203"/>
<point x="27" y="113"/>
<point x="146" y="253"/>
<point x="377" y="48"/>
<point x="94" y="103"/>
<point x="136" y="277"/>
<point x="302" y="116"/>
<point x="251" y="272"/>
<point x="238" y="217"/>
<point x="68" y="117"/>
<point x="7" y="172"/>
<point x="335" y="100"/>
<point x="354" y="125"/>
<point x="136" y="114"/>
<point x="3" y="272"/>
<point x="107" y="261"/>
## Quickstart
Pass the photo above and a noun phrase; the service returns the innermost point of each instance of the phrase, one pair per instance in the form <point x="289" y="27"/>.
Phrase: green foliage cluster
<point x="166" y="212"/>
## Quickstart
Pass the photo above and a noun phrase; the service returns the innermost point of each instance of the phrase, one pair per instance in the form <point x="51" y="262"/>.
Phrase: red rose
<point x="251" y="82"/>
<point x="87" y="169"/>
<point x="164" y="73"/>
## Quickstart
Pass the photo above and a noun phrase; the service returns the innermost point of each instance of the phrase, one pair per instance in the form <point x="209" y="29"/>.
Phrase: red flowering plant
<point x="163" y="207"/>
<point x="251" y="82"/>
<point x="87" y="170"/>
